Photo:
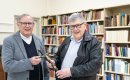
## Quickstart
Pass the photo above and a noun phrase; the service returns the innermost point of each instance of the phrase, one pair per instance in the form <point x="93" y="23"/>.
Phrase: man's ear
<point x="86" y="24"/>
<point x="17" y="24"/>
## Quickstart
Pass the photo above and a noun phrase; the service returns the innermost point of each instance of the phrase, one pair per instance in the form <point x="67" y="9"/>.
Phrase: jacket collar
<point x="21" y="45"/>
<point x="87" y="36"/>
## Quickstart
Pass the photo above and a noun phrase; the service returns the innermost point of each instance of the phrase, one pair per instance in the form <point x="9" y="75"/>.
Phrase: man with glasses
<point x="79" y="56"/>
<point x="20" y="58"/>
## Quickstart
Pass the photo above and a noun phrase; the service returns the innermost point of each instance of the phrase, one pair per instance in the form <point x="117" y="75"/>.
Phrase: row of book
<point x="117" y="65"/>
<point x="121" y="19"/>
<point x="61" y="39"/>
<point x="49" y="30"/>
<point x="62" y="19"/>
<point x="122" y="50"/>
<point x="64" y="30"/>
<point x="50" y="40"/>
<point x="99" y="78"/>
<point x="51" y="49"/>
<point x="49" y="20"/>
<point x="93" y="14"/>
<point x="118" y="36"/>
<point x="101" y="70"/>
<point x="95" y="27"/>
<point x="117" y="77"/>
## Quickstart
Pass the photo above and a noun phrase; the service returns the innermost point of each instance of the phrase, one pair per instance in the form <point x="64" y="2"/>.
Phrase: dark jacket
<point x="88" y="61"/>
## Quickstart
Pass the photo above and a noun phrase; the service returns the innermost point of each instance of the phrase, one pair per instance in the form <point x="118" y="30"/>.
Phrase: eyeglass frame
<point x="76" y="26"/>
<point x="27" y="23"/>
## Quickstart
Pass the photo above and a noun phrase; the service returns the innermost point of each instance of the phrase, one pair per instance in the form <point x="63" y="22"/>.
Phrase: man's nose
<point x="75" y="28"/>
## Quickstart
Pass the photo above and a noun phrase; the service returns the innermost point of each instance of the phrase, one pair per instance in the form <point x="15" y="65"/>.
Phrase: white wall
<point x="66" y="6"/>
<point x="38" y="8"/>
<point x="9" y="8"/>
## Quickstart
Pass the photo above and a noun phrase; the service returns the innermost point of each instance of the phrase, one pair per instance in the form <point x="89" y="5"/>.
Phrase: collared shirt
<point x="71" y="53"/>
<point x="27" y="40"/>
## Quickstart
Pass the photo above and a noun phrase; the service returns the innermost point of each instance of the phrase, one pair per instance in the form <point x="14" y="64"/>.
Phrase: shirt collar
<point x="26" y="39"/>
<point x="72" y="38"/>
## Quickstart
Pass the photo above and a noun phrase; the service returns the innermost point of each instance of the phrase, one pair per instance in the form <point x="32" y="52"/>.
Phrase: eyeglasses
<point x="27" y="23"/>
<point x="76" y="26"/>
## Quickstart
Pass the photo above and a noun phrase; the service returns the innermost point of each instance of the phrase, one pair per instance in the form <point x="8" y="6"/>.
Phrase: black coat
<point x="88" y="61"/>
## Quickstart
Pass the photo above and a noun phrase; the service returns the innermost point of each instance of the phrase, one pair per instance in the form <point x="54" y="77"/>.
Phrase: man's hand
<point x="50" y="64"/>
<point x="63" y="73"/>
<point x="35" y="60"/>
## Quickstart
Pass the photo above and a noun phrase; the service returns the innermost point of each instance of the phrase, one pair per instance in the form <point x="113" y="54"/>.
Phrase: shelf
<point x="50" y="44"/>
<point x="62" y="30"/>
<point x="50" y="25"/>
<point x="117" y="73"/>
<point x="100" y="75"/>
<point x="63" y="25"/>
<point x="118" y="42"/>
<point x="117" y="34"/>
<point x="118" y="27"/>
<point x="49" y="34"/>
<point x="63" y="35"/>
<point x="96" y="34"/>
<point x="6" y="32"/>
<point x="117" y="57"/>
<point x="94" y="20"/>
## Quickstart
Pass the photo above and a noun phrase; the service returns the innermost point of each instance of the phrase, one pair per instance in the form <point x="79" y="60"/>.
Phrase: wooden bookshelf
<point x="94" y="19"/>
<point x="95" y="26"/>
<point x="117" y="43"/>
<point x="100" y="23"/>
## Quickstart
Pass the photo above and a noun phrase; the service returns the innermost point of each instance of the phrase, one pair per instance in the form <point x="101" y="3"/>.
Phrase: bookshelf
<point x="95" y="26"/>
<point x="117" y="43"/>
<point x="49" y="33"/>
<point x="63" y="29"/>
<point x="55" y="29"/>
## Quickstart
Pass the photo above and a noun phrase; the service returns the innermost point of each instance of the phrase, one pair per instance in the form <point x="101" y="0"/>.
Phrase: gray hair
<point x="73" y="17"/>
<point x="23" y="15"/>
